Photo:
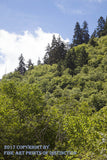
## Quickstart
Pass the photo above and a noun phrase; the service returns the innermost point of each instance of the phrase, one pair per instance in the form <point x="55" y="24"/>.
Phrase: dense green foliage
<point x="63" y="105"/>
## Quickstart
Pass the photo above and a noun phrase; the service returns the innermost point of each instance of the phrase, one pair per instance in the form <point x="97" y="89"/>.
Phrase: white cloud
<point x="30" y="45"/>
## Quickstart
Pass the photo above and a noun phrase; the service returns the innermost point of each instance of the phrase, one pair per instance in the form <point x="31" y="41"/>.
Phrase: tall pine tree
<point x="94" y="34"/>
<point x="105" y="28"/>
<point x="85" y="35"/>
<point x="55" y="52"/>
<point x="100" y="27"/>
<point x="21" y="68"/>
<point x="77" y="38"/>
<point x="46" y="57"/>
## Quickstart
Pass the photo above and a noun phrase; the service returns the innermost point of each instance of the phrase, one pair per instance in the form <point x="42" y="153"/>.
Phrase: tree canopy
<point x="61" y="103"/>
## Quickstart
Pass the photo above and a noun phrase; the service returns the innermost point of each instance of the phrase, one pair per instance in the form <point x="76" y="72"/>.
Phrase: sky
<point x="27" y="26"/>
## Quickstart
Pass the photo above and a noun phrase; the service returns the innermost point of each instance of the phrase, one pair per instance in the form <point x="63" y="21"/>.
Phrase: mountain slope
<point x="68" y="112"/>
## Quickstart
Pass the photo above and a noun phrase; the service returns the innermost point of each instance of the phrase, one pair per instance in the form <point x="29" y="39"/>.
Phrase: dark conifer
<point x="30" y="64"/>
<point x="85" y="35"/>
<point x="105" y="28"/>
<point x="94" y="34"/>
<point x="77" y="38"/>
<point x="55" y="52"/>
<point x="100" y="27"/>
<point x="21" y="68"/>
<point x="46" y="57"/>
<point x="54" y="42"/>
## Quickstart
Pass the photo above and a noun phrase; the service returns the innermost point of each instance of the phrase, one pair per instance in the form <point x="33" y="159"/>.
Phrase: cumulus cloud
<point x="32" y="46"/>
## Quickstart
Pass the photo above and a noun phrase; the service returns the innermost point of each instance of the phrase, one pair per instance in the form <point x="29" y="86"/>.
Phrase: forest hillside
<point x="63" y="104"/>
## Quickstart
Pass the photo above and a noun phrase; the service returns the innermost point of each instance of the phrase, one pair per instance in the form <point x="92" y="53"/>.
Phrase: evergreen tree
<point x="55" y="52"/>
<point x="21" y="67"/>
<point x="61" y="49"/>
<point x="100" y="27"/>
<point x="77" y="38"/>
<point x="30" y="64"/>
<point x="94" y="34"/>
<point x="54" y="42"/>
<point x="105" y="28"/>
<point x="46" y="57"/>
<point x="85" y="35"/>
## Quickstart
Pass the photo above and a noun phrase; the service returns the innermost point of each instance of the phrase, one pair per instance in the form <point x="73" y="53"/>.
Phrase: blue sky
<point x="52" y="15"/>
<point x="22" y="20"/>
